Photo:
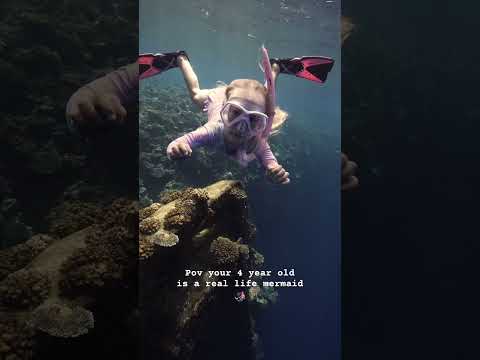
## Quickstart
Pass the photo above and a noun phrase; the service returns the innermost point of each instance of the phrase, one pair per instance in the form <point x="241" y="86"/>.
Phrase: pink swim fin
<point x="313" y="68"/>
<point x="154" y="64"/>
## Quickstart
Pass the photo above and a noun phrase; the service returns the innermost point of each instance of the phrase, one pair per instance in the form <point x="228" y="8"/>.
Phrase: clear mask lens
<point x="257" y="123"/>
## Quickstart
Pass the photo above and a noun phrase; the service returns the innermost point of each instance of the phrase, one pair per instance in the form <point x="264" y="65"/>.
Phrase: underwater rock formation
<point x="76" y="288"/>
<point x="197" y="229"/>
<point x="55" y="287"/>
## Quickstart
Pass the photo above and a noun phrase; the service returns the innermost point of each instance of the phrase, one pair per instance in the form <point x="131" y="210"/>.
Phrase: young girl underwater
<point x="241" y="115"/>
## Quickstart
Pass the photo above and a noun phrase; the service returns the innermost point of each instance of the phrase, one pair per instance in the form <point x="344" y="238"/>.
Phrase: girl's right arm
<point x="105" y="96"/>
<point x="183" y="146"/>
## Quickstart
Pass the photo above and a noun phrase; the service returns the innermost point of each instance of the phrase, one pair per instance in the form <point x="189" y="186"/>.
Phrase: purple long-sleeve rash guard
<point x="211" y="134"/>
<point x="122" y="82"/>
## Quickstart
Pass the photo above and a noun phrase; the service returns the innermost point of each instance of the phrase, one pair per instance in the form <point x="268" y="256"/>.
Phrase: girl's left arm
<point x="265" y="155"/>
<point x="274" y="170"/>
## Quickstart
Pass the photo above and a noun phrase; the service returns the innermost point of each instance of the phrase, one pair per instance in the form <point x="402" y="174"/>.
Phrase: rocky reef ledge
<point x="199" y="230"/>
<point x="114" y="286"/>
<point x="54" y="290"/>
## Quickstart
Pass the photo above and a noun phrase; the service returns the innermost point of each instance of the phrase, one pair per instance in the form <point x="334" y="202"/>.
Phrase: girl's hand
<point x="179" y="150"/>
<point x="87" y="108"/>
<point x="277" y="174"/>
<point x="349" y="180"/>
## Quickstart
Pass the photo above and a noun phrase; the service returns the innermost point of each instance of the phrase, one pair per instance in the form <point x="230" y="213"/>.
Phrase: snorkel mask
<point x="253" y="123"/>
<point x="244" y="122"/>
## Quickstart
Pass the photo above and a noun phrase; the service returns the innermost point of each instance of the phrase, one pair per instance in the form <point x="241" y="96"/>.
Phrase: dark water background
<point x="298" y="225"/>
<point x="410" y="116"/>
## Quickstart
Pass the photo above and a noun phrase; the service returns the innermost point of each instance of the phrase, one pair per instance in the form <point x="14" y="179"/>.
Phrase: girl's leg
<point x="198" y="95"/>
<point x="275" y="72"/>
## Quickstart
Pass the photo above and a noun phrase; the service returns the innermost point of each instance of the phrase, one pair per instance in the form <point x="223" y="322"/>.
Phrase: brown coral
<point x="148" y="211"/>
<point x="16" y="339"/>
<point x="145" y="249"/>
<point x="231" y="212"/>
<point x="17" y="257"/>
<point x="149" y="226"/>
<point x="62" y="320"/>
<point x="98" y="264"/>
<point x="24" y="289"/>
<point x="123" y="212"/>
<point x="226" y="254"/>
<point x="169" y="196"/>
<point x="165" y="238"/>
<point x="109" y="255"/>
<point x="71" y="217"/>
<point x="190" y="208"/>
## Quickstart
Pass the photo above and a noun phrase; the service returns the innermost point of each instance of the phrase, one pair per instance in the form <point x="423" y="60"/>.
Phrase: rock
<point x="189" y="230"/>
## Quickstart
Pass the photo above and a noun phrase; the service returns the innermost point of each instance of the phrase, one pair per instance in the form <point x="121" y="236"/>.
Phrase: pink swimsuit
<point x="211" y="134"/>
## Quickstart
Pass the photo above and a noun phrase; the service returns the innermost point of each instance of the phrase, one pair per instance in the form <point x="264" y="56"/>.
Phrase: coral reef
<point x="204" y="229"/>
<point x="190" y="209"/>
<point x="16" y="341"/>
<point x="69" y="286"/>
<point x="61" y="320"/>
<point x="24" y="288"/>
<point x="55" y="285"/>
<point x="109" y="254"/>
<point x="226" y="254"/>
<point x="59" y="287"/>
<point x="49" y="50"/>
<point x="17" y="257"/>
<point x="69" y="217"/>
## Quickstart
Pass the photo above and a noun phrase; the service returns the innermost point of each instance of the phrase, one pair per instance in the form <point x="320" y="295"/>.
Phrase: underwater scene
<point x="270" y="228"/>
<point x="68" y="214"/>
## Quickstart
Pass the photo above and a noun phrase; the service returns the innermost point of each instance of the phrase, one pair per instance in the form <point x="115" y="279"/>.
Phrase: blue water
<point x="299" y="224"/>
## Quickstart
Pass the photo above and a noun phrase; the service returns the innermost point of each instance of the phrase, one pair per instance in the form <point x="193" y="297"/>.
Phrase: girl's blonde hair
<point x="254" y="85"/>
